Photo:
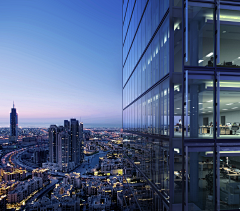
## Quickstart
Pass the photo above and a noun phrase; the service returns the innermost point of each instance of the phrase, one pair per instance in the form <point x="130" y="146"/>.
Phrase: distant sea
<point x="47" y="123"/>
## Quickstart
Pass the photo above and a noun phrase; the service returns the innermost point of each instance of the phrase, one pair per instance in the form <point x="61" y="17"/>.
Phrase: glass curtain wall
<point x="211" y="116"/>
<point x="151" y="157"/>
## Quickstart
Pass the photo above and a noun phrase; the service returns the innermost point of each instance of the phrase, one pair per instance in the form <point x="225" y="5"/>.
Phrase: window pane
<point x="229" y="38"/>
<point x="229" y="107"/>
<point x="229" y="178"/>
<point x="200" y="107"/>
<point x="200" y="36"/>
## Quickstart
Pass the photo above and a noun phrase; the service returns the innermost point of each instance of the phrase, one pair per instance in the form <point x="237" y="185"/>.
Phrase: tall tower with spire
<point x="13" y="124"/>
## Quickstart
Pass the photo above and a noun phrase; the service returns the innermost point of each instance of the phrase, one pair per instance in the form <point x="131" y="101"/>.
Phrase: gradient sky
<point x="61" y="59"/>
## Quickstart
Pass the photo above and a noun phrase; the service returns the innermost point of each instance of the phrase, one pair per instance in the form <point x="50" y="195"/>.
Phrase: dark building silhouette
<point x="75" y="145"/>
<point x="81" y="141"/>
<point x="66" y="144"/>
<point x="53" y="144"/>
<point x="13" y="125"/>
<point x="67" y="124"/>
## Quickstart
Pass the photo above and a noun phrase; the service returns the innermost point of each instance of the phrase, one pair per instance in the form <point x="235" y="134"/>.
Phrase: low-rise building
<point x="24" y="189"/>
<point x="41" y="172"/>
<point x="16" y="174"/>
<point x="73" y="179"/>
<point x="99" y="202"/>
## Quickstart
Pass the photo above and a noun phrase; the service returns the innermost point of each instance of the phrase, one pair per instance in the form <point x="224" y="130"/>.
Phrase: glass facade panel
<point x="229" y="118"/>
<point x="200" y="108"/>
<point x="177" y="127"/>
<point x="151" y="157"/>
<point x="229" y="38"/>
<point x="229" y="168"/>
<point x="153" y="114"/>
<point x="177" y="178"/>
<point x="200" y="179"/>
<point x="177" y="40"/>
<point x="200" y="36"/>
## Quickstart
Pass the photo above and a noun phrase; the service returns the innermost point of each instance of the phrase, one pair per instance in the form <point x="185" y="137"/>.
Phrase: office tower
<point x="75" y="141"/>
<point x="53" y="144"/>
<point x="67" y="124"/>
<point x="65" y="145"/>
<point x="81" y="130"/>
<point x="13" y="125"/>
<point x="63" y="150"/>
<point x="181" y="73"/>
<point x="81" y="141"/>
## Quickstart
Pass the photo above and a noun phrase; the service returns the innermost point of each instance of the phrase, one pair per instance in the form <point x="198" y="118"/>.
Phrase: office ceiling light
<point x="209" y="111"/>
<point x="222" y="152"/>
<point x="177" y="108"/>
<point x="199" y="61"/>
<point x="225" y="109"/>
<point x="176" y="26"/>
<point x="202" y="103"/>
<point x="224" y="32"/>
<point x="234" y="107"/>
<point x="229" y="104"/>
<point x="232" y="18"/>
<point x="209" y="101"/>
<point x="176" y="150"/>
<point x="203" y="112"/>
<point x="210" y="54"/>
<point x="209" y="107"/>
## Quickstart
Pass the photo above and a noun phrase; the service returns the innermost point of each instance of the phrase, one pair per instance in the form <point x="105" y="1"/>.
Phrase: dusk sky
<point x="61" y="59"/>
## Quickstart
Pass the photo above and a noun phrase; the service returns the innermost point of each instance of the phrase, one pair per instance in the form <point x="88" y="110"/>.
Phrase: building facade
<point x="181" y="88"/>
<point x="13" y="125"/>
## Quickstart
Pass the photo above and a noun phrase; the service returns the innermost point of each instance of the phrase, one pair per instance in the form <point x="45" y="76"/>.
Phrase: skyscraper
<point x="81" y="141"/>
<point x="181" y="73"/>
<point x="75" y="141"/>
<point x="13" y="125"/>
<point x="64" y="151"/>
<point x="65" y="145"/>
<point x="67" y="124"/>
<point x="53" y="143"/>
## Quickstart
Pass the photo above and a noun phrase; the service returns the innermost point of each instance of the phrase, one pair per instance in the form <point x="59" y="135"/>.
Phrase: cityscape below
<point x="68" y="167"/>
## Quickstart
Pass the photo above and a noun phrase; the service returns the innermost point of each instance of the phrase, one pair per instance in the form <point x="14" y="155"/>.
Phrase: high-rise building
<point x="53" y="144"/>
<point x="64" y="151"/>
<point x="67" y="124"/>
<point x="81" y="141"/>
<point x="13" y="125"/>
<point x="65" y="145"/>
<point x="75" y="141"/>
<point x="181" y="88"/>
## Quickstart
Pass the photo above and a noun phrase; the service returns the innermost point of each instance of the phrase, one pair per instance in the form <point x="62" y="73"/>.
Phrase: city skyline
<point x="63" y="66"/>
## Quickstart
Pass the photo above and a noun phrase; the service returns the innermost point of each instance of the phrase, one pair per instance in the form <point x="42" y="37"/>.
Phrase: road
<point x="45" y="190"/>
